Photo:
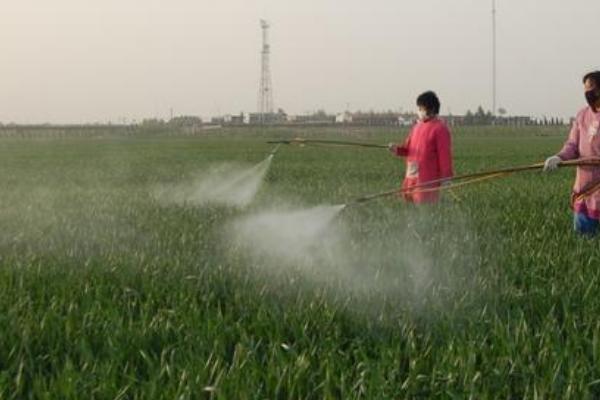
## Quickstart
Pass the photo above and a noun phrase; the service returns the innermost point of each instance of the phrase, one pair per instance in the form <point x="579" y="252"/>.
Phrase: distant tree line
<point x="183" y="121"/>
<point x="482" y="117"/>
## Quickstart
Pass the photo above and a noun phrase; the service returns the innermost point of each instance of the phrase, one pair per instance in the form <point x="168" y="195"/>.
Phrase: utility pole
<point x="494" y="58"/>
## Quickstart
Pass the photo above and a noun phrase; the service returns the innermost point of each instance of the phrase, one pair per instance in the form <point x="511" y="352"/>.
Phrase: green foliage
<point x="104" y="293"/>
<point x="184" y="121"/>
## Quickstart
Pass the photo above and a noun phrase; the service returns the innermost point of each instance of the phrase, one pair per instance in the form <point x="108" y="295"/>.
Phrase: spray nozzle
<point x="275" y="150"/>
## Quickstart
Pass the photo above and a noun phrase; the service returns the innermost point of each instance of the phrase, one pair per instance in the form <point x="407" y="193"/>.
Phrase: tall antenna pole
<point x="265" y="91"/>
<point x="494" y="57"/>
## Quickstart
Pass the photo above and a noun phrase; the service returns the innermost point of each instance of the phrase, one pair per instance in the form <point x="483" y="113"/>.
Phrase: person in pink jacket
<point x="584" y="142"/>
<point x="428" y="152"/>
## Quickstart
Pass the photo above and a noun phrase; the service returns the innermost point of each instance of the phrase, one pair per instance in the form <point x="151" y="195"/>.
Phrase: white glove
<point x="552" y="163"/>
<point x="392" y="147"/>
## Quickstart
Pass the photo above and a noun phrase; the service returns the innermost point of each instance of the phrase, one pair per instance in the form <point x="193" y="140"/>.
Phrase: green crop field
<point x="107" y="293"/>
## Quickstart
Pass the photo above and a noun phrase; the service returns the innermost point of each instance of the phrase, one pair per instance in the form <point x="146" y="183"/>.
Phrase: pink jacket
<point x="583" y="142"/>
<point x="428" y="152"/>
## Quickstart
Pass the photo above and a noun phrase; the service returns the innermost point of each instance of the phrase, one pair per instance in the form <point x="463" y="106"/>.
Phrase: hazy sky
<point x="85" y="61"/>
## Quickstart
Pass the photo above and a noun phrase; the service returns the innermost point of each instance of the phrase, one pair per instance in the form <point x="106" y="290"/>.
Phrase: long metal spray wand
<point x="300" y="141"/>
<point x="467" y="179"/>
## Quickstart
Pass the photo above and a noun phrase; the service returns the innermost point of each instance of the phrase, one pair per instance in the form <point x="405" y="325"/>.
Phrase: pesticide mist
<point x="389" y="257"/>
<point x="302" y="236"/>
<point x="225" y="184"/>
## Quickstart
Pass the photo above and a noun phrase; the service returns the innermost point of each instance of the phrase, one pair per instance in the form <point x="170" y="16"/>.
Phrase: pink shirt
<point x="584" y="142"/>
<point x="428" y="153"/>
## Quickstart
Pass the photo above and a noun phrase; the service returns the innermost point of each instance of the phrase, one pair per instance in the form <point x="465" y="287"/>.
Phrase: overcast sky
<point x="92" y="61"/>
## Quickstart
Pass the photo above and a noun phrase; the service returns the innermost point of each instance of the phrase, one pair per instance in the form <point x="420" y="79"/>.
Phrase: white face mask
<point x="422" y="114"/>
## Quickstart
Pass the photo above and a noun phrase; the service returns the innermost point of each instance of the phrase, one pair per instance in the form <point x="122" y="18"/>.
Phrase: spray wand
<point x="317" y="142"/>
<point x="275" y="150"/>
<point x="476" y="177"/>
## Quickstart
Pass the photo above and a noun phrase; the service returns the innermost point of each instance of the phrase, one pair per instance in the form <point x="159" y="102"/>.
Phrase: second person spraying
<point x="428" y="152"/>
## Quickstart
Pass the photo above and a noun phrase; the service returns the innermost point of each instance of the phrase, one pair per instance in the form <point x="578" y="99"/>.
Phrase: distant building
<point x="234" y="119"/>
<point x="404" y="120"/>
<point x="386" y="119"/>
<point x="343" y="118"/>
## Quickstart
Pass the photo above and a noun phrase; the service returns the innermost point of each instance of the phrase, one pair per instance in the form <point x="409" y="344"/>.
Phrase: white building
<point x="343" y="118"/>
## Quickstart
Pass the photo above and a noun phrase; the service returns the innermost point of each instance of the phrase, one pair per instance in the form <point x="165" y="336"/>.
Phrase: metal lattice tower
<point x="265" y="91"/>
